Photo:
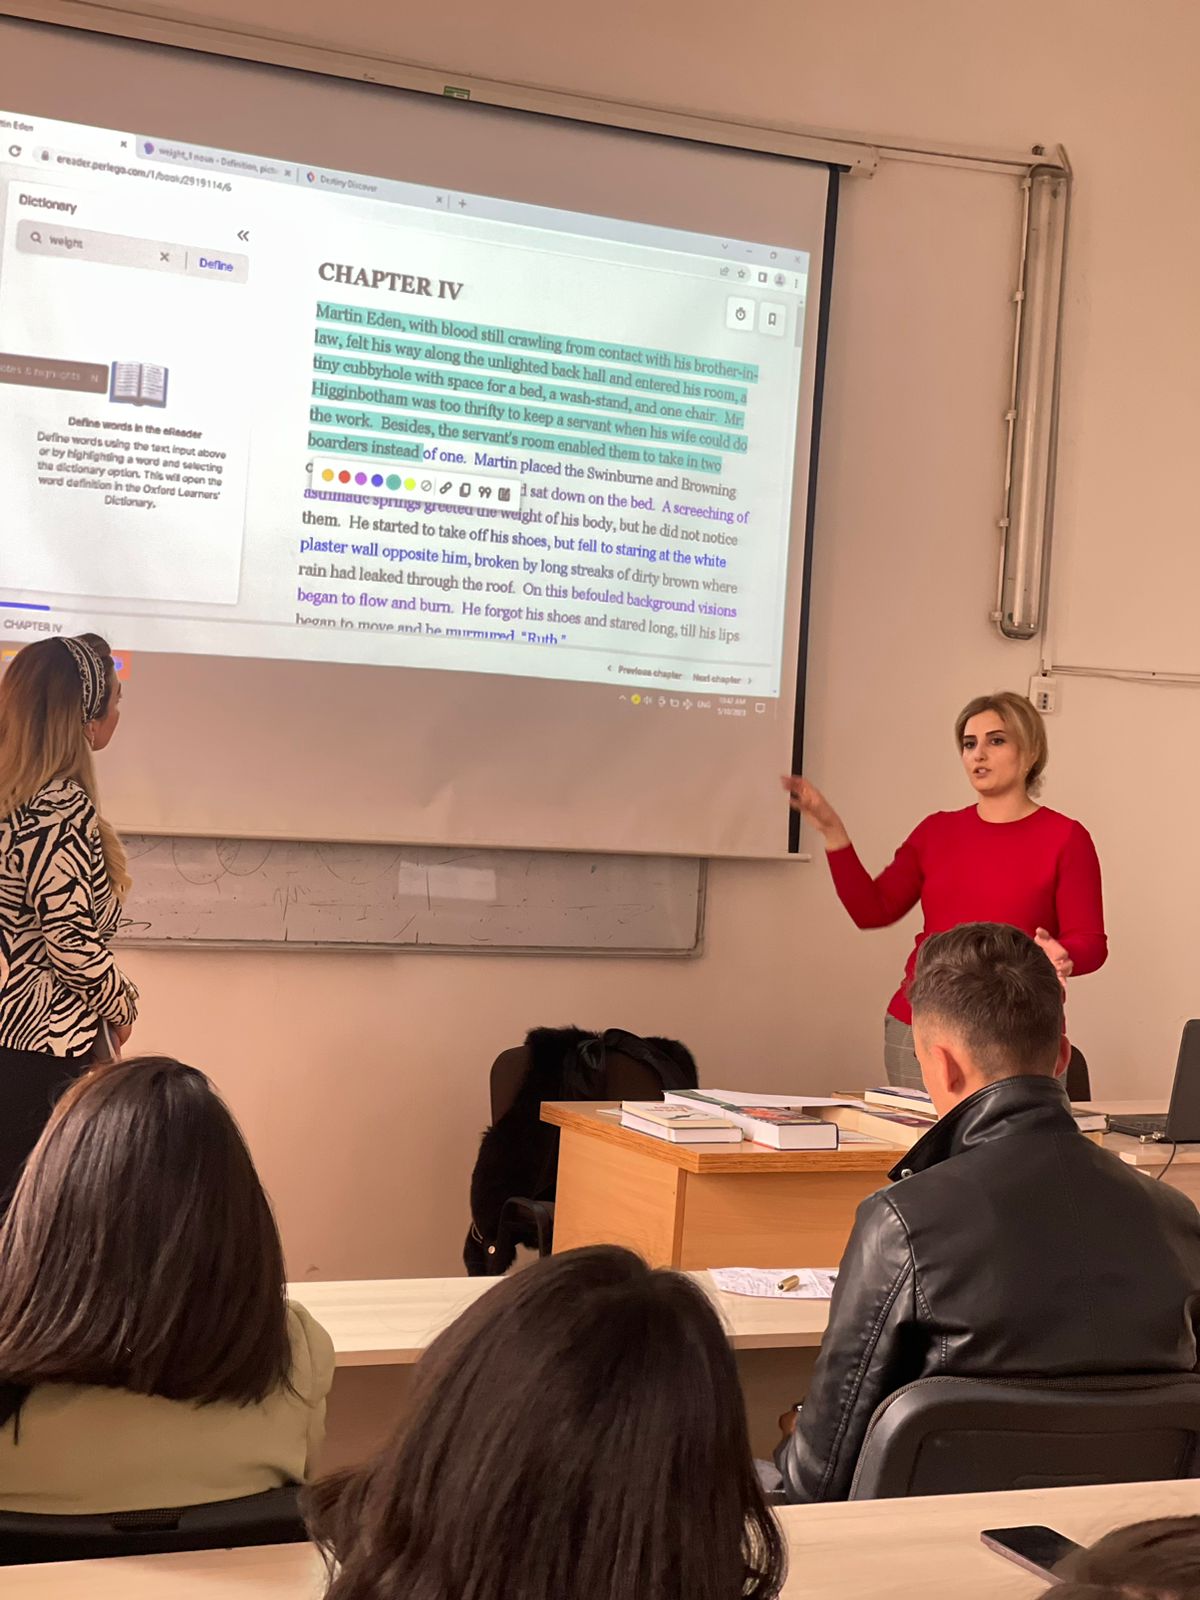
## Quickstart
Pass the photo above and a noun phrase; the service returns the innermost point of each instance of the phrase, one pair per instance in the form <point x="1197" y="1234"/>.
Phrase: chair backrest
<point x="974" y="1435"/>
<point x="272" y="1517"/>
<point x="509" y="1071"/>
<point x="1077" y="1080"/>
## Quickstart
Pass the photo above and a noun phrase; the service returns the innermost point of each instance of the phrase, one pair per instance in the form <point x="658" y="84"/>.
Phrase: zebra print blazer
<point x="58" y="978"/>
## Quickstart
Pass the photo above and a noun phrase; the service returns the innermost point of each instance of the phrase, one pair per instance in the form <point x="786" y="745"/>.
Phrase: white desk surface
<point x="930" y="1549"/>
<point x="904" y="1549"/>
<point x="268" y="1572"/>
<point x="1133" y="1151"/>
<point x="390" y="1321"/>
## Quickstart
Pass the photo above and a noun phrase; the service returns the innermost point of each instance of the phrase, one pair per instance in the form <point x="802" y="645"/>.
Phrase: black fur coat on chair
<point x="518" y="1155"/>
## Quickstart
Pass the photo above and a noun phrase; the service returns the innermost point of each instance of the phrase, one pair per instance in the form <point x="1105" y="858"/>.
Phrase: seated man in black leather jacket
<point x="1009" y="1244"/>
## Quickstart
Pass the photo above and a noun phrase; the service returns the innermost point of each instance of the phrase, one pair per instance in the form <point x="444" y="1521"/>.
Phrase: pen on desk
<point x="786" y="1285"/>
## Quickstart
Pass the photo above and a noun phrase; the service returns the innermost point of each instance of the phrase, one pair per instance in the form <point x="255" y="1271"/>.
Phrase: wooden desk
<point x="706" y="1205"/>
<point x="904" y="1549"/>
<point x="388" y="1322"/>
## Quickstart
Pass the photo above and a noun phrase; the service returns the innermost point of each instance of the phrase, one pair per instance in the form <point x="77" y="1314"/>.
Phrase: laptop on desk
<point x="1181" y="1125"/>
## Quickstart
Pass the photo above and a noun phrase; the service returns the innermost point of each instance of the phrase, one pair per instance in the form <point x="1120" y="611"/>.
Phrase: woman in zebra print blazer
<point x="63" y="1001"/>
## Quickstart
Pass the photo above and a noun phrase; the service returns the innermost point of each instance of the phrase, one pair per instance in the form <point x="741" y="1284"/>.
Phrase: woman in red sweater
<point x="1003" y="859"/>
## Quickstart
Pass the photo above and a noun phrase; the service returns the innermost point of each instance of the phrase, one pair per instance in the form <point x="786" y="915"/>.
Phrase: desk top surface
<point x="905" y="1549"/>
<point x="745" y="1159"/>
<point x="584" y="1116"/>
<point x="391" y="1321"/>
<point x="929" y="1549"/>
<point x="1133" y="1151"/>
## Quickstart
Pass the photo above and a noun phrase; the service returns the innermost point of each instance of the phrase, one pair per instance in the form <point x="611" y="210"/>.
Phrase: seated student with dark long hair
<point x="148" y="1356"/>
<point x="578" y="1432"/>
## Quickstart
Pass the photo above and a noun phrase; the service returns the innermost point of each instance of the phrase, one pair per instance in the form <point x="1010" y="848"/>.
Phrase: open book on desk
<point x="738" y="1098"/>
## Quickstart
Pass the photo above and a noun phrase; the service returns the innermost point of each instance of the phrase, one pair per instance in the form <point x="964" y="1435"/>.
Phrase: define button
<point x="225" y="264"/>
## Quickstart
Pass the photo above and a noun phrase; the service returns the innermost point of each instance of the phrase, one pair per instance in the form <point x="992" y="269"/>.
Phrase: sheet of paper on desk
<point x="816" y="1283"/>
<point x="779" y="1102"/>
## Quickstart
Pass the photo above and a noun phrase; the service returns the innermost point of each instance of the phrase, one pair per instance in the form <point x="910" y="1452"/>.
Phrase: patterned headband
<point x="93" y="677"/>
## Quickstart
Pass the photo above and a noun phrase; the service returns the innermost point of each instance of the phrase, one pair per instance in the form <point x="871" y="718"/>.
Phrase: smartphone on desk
<point x="1039" y="1550"/>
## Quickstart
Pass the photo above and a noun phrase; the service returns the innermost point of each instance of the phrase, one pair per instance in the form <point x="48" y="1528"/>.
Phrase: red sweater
<point x="1040" y="872"/>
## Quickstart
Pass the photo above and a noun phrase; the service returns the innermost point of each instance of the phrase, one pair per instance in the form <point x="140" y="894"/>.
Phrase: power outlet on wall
<point x="1043" y="691"/>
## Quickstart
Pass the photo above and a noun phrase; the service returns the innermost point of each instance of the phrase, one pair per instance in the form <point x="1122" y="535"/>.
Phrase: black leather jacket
<point x="1009" y="1246"/>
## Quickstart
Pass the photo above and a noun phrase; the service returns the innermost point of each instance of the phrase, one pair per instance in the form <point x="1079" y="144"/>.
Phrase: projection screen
<point x="439" y="473"/>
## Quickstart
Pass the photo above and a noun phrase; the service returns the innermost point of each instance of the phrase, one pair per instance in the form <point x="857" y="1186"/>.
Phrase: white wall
<point x="361" y="1080"/>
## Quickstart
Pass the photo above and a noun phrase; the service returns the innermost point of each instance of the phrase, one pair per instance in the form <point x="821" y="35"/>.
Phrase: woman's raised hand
<point x="808" y="800"/>
<point x="1058" y="954"/>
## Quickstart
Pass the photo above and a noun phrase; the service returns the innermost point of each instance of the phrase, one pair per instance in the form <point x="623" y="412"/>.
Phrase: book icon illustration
<point x="137" y="383"/>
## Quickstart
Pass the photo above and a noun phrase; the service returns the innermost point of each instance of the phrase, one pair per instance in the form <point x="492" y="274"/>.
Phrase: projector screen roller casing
<point x="439" y="472"/>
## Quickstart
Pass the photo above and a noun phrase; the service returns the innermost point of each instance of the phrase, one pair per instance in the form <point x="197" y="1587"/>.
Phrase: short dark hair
<point x="140" y="1251"/>
<point x="998" y="991"/>
<point x="1157" y="1560"/>
<point x="579" y="1430"/>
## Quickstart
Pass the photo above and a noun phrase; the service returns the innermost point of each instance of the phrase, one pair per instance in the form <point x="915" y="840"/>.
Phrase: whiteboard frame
<point x="858" y="154"/>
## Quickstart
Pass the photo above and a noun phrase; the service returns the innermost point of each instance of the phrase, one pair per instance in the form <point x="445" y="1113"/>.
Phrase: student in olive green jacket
<point x="148" y="1355"/>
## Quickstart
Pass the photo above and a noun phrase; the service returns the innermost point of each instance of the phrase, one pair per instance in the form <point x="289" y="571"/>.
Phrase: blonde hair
<point x="1023" y="720"/>
<point x="42" y="737"/>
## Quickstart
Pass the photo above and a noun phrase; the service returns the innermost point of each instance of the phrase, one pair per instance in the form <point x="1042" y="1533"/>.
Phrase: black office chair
<point x="1077" y="1080"/>
<point x="974" y="1435"/>
<point x="272" y="1517"/>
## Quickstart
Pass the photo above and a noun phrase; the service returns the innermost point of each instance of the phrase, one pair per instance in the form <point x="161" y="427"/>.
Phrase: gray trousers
<point x="899" y="1057"/>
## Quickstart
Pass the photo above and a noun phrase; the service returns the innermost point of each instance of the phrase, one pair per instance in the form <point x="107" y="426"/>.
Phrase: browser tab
<point x="220" y="163"/>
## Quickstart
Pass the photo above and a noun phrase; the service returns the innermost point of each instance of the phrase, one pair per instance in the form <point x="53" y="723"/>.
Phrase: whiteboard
<point x="223" y="892"/>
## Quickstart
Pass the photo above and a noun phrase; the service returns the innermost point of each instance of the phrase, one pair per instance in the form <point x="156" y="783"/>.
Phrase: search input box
<point x="121" y="250"/>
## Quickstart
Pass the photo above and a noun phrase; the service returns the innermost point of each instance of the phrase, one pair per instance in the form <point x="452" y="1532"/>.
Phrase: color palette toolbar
<point x="422" y="485"/>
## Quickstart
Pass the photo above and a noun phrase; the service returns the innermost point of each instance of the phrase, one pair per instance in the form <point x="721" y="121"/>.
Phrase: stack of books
<point x="898" y="1117"/>
<point x="903" y="1115"/>
<point x="915" y="1101"/>
<point x="766" y="1119"/>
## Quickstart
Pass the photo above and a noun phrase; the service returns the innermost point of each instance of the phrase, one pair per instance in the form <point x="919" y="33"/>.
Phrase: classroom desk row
<point x="380" y="1327"/>
<point x="904" y="1549"/>
<point x="689" y="1207"/>
<point x="388" y="1322"/>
